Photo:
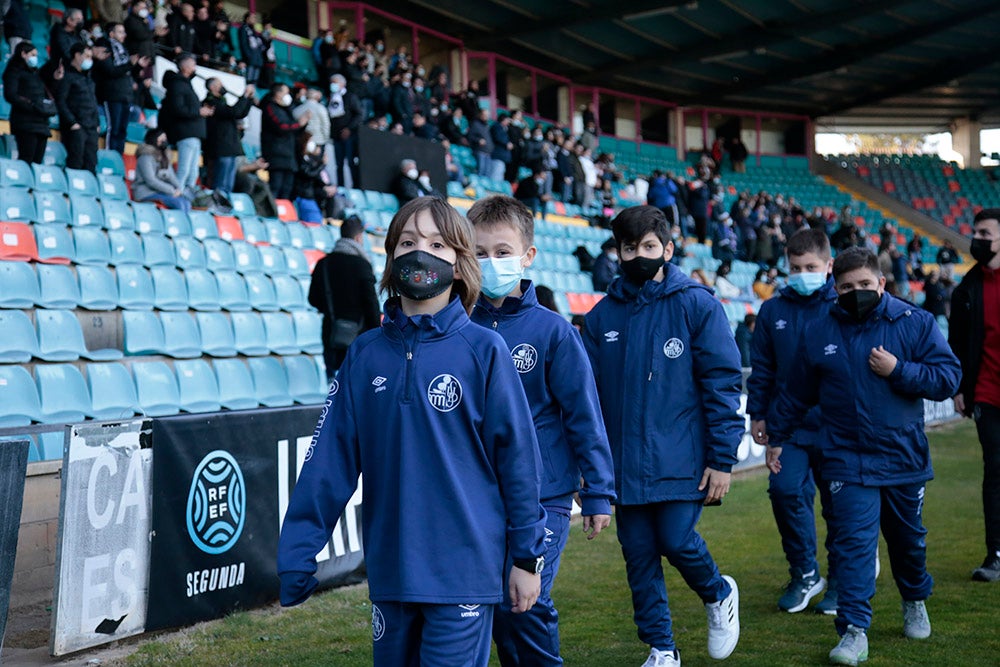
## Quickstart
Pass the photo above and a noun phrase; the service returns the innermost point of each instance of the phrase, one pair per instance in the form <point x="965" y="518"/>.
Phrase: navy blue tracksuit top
<point x="669" y="379"/>
<point x="780" y="324"/>
<point x="549" y="357"/>
<point x="873" y="426"/>
<point x="432" y="412"/>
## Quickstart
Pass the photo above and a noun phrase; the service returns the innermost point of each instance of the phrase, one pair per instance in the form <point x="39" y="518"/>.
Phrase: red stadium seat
<point x="17" y="242"/>
<point x="560" y="208"/>
<point x="229" y="228"/>
<point x="581" y="304"/>
<point x="129" y="167"/>
<point x="953" y="186"/>
<point x="947" y="170"/>
<point x="889" y="187"/>
<point x="312" y="257"/>
<point x="286" y="211"/>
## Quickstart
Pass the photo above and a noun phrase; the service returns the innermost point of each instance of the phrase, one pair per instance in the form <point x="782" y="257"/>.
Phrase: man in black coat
<point x="222" y="134"/>
<point x="343" y="288"/>
<point x="115" y="85"/>
<point x="346" y="116"/>
<point x="531" y="191"/>
<point x="251" y="47"/>
<point x="77" y="102"/>
<point x="182" y="116"/>
<point x="183" y="36"/>
<point x="409" y="185"/>
<point x="401" y="103"/>
<point x="278" y="134"/>
<point x="62" y="37"/>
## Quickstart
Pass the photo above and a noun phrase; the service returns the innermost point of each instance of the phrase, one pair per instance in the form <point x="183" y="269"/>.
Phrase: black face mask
<point x="859" y="303"/>
<point x="982" y="251"/>
<point x="640" y="269"/>
<point x="419" y="275"/>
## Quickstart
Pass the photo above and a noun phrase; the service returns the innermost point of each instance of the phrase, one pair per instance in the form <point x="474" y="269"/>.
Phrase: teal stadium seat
<point x="156" y="388"/>
<point x="110" y="163"/>
<point x="62" y="394"/>
<point x="16" y="174"/>
<point x="272" y="261"/>
<point x="203" y="225"/>
<point x="277" y="233"/>
<point x="49" y="178"/>
<point x="19" y="405"/>
<point x="16" y="205"/>
<point x="261" y="292"/>
<point x="233" y="294"/>
<point x="55" y="152"/>
<point x="270" y="382"/>
<point x="60" y="338"/>
<point x="118" y="214"/>
<point x="82" y="182"/>
<point x="85" y="211"/>
<point x="219" y="255"/>
<point x="298" y="236"/>
<point x="111" y="390"/>
<point x="322" y="238"/>
<point x="169" y="288"/>
<point x="216" y="334"/>
<point x="126" y="248"/>
<point x="198" y="386"/>
<point x="249" y="335"/>
<point x="288" y="293"/>
<point x="98" y="290"/>
<point x="148" y="218"/>
<point x="20" y="285"/>
<point x="189" y="253"/>
<point x="280" y="333"/>
<point x="18" y="343"/>
<point x="57" y="287"/>
<point x="143" y="333"/>
<point x="182" y="339"/>
<point x="308" y="331"/>
<point x="175" y="223"/>
<point x="296" y="262"/>
<point x="91" y="246"/>
<point x="202" y="289"/>
<point x="135" y="287"/>
<point x="51" y="444"/>
<point x="243" y="206"/>
<point x="304" y="384"/>
<point x="253" y="230"/>
<point x="157" y="250"/>
<point x="52" y="207"/>
<point x="55" y="244"/>
<point x="236" y="390"/>
<point x="246" y="257"/>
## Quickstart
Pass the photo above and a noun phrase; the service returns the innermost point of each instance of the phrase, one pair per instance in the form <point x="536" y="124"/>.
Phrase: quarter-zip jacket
<point x="432" y="412"/>
<point x="780" y="324"/>
<point x="669" y="379"/>
<point x="549" y="357"/>
<point x="873" y="426"/>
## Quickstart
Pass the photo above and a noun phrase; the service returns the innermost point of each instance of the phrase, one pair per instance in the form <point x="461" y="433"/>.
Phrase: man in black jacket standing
<point x="251" y="47"/>
<point x="115" y="85"/>
<point x="974" y="335"/>
<point x="222" y="136"/>
<point x="182" y="116"/>
<point x="77" y="102"/>
<point x="346" y="114"/>
<point x="343" y="288"/>
<point x="278" y="134"/>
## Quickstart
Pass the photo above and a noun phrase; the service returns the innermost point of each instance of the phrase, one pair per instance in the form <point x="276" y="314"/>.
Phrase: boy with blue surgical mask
<point x="548" y="354"/>
<point x="795" y="463"/>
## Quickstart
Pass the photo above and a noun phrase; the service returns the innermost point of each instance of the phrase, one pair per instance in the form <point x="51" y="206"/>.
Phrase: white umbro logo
<point x="471" y="610"/>
<point x="830" y="349"/>
<point x="780" y="324"/>
<point x="379" y="383"/>
<point x="611" y="336"/>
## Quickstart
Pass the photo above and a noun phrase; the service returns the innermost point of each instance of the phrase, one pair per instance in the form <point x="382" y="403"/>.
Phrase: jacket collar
<point x="674" y="280"/>
<point x="889" y="308"/>
<point x="445" y="322"/>
<point x="512" y="305"/>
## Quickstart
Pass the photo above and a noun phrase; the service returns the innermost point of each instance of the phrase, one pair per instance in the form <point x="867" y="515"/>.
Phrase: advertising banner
<point x="102" y="553"/>
<point x="13" y="466"/>
<point x="221" y="484"/>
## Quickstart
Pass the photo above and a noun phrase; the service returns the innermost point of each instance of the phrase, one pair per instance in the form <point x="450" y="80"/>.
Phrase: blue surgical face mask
<point x="32" y="61"/>
<point x="500" y="275"/>
<point x="806" y="283"/>
<point x="86" y="64"/>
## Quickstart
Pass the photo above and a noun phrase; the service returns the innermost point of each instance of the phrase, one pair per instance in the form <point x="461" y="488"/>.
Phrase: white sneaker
<point x="724" y="623"/>
<point x="878" y="564"/>
<point x="658" y="658"/>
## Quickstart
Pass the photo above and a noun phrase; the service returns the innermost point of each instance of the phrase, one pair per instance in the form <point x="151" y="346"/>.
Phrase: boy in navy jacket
<point x="794" y="464"/>
<point x="549" y="357"/>
<point x="868" y="365"/>
<point x="668" y="376"/>
<point x="431" y="411"/>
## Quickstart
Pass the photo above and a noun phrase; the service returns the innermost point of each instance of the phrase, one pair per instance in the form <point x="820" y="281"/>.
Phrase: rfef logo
<point x="378" y="623"/>
<point x="673" y="348"/>
<point x="444" y="393"/>
<point x="216" y="507"/>
<point x="525" y="357"/>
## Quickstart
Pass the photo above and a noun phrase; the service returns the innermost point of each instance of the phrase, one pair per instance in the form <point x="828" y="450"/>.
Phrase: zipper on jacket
<point x="408" y="376"/>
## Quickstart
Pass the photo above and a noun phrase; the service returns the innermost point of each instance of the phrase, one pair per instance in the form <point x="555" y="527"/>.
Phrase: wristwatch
<point x="532" y="565"/>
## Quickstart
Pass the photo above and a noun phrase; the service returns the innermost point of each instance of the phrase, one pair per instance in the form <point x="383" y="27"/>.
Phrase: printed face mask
<point x="419" y="275"/>
<point x="500" y="275"/>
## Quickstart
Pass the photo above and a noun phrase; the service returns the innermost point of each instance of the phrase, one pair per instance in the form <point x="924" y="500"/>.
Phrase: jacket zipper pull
<point x="409" y="356"/>
<point x="495" y="323"/>
<point x="650" y="378"/>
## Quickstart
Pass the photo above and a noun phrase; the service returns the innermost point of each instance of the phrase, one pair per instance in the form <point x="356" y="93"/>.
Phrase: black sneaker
<point x="990" y="569"/>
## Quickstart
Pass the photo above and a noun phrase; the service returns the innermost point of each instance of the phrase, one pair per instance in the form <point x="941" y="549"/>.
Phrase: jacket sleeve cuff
<point x="592" y="506"/>
<point x="296" y="587"/>
<point x="721" y="467"/>
<point x="528" y="542"/>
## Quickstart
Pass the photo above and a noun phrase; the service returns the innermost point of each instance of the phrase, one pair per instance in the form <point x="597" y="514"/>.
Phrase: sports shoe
<point x="916" y="623"/>
<point x="658" y="658"/>
<point x="990" y="569"/>
<point x="852" y="648"/>
<point x="878" y="563"/>
<point x="828" y="605"/>
<point x="802" y="588"/>
<point x="724" y="623"/>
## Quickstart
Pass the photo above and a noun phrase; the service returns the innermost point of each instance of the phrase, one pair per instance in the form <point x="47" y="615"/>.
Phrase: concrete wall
<point x="34" y="565"/>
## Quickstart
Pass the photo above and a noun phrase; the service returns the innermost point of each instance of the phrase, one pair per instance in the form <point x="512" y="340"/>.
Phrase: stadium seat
<point x="112" y="187"/>
<point x="126" y="247"/>
<point x="229" y="228"/>
<point x="246" y="257"/>
<point x="249" y="335"/>
<point x="261" y="292"/>
<point x="157" y="250"/>
<point x="82" y="182"/>
<point x="54" y="243"/>
<point x="270" y="382"/>
<point x="286" y="211"/>
<point x="85" y="210"/>
<point x="312" y="258"/>
<point x="242" y="205"/>
<point x="52" y="207"/>
<point x="118" y="214"/>
<point x="148" y="218"/>
<point x="189" y="253"/>
<point x="18" y="343"/>
<point x="16" y="174"/>
<point x="277" y="233"/>
<point x="60" y="338"/>
<point x="216" y="334"/>
<point x="62" y="394"/>
<point x="20" y="285"/>
<point x="110" y="163"/>
<point x="203" y="225"/>
<point x="202" y="289"/>
<point x="322" y="238"/>
<point x="236" y="390"/>
<point x="298" y="236"/>
<point x="19" y="404"/>
<point x="288" y="293"/>
<point x="280" y="333"/>
<point x="57" y="287"/>
<point x="49" y="178"/>
<point x="135" y="287"/>
<point x="17" y="242"/>
<point x="321" y="369"/>
<point x="175" y="223"/>
<point x="308" y="331"/>
<point x="51" y="445"/>
<point x="98" y="290"/>
<point x="55" y="153"/>
<point x="198" y="386"/>
<point x="272" y="260"/>
<point x="180" y="335"/>
<point x="92" y="247"/>
<point x="219" y="255"/>
<point x="156" y="388"/>
<point x="232" y="291"/>
<point x="298" y="265"/>
<point x="16" y="205"/>
<point x="111" y="391"/>
<point x="169" y="289"/>
<point x="143" y="333"/>
<point x="304" y="383"/>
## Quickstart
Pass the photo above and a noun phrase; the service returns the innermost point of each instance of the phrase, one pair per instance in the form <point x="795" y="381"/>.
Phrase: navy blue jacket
<point x="549" y="357"/>
<point x="780" y="324"/>
<point x="873" y="426"/>
<point x="432" y="412"/>
<point x="668" y="375"/>
<point x="498" y="133"/>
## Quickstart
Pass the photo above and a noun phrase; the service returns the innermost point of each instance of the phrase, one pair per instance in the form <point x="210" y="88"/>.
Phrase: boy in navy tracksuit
<point x="431" y="411"/>
<point x="668" y="376"/>
<point x="795" y="464"/>
<point x="549" y="357"/>
<point x="868" y="365"/>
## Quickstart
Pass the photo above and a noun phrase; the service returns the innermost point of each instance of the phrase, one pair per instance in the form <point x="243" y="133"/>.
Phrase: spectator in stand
<point x="453" y="169"/>
<point x="605" y="267"/>
<point x="248" y="182"/>
<point x="469" y="100"/>
<point x="401" y="102"/>
<point x="440" y="90"/>
<point x="744" y="337"/>
<point x="325" y="55"/>
<point x="115" y="85"/>
<point x="421" y="100"/>
<point x="155" y="179"/>
<point x="222" y="134"/>
<point x="422" y="129"/>
<point x="78" y="115"/>
<point x="663" y="195"/>
<point x="139" y="33"/>
<point x="318" y="127"/>
<point x="252" y="47"/>
<point x="278" y="135"/>
<point x="738" y="154"/>
<point x="400" y="60"/>
<point x="31" y="105"/>
<point x="915" y="257"/>
<point x="481" y="141"/>
<point x="531" y="191"/>
<point x="452" y="127"/>
<point x="182" y="117"/>
<point x="502" y="146"/>
<point x="409" y="185"/>
<point x="723" y="286"/>
<point x="590" y="177"/>
<point x="564" y="168"/>
<point x="355" y="73"/>
<point x="183" y="37"/>
<point x="207" y="37"/>
<point x="764" y="284"/>
<point x="62" y="38"/>
<point x="724" y="242"/>
<point x="346" y="114"/>
<point x="517" y="135"/>
<point x="579" y="175"/>
<point x="698" y="196"/>
<point x="270" y="67"/>
<point x="315" y="195"/>
<point x="935" y="295"/>
<point x="947" y="258"/>
<point x="588" y="138"/>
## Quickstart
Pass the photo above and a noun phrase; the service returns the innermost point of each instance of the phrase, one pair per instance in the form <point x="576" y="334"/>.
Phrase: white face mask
<point x="286" y="100"/>
<point x="143" y="13"/>
<point x="311" y="147"/>
<point x="412" y="173"/>
<point x="425" y="181"/>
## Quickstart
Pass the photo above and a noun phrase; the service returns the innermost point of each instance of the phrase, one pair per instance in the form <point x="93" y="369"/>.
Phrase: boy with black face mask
<point x="668" y="375"/>
<point x="869" y="364"/>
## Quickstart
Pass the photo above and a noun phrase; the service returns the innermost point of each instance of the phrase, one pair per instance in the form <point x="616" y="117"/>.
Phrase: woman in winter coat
<point x="155" y="179"/>
<point x="31" y="104"/>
